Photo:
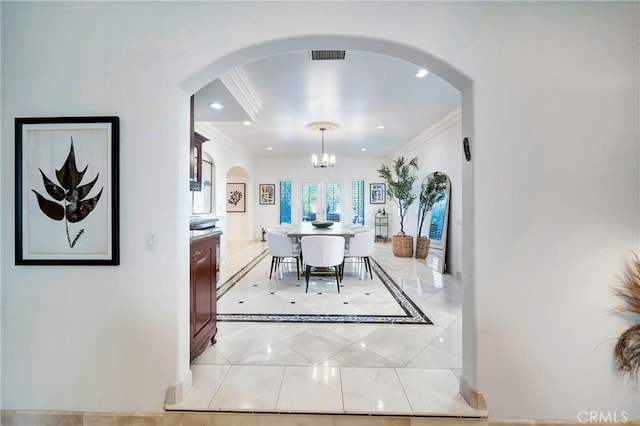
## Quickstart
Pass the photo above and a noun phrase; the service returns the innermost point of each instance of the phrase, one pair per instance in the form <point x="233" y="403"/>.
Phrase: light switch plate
<point x="151" y="241"/>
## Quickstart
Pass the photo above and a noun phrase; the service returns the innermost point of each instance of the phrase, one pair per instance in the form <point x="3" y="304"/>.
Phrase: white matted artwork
<point x="236" y="197"/>
<point x="67" y="191"/>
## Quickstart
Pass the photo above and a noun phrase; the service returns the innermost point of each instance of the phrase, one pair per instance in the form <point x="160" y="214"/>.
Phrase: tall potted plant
<point x="432" y="190"/>
<point x="400" y="180"/>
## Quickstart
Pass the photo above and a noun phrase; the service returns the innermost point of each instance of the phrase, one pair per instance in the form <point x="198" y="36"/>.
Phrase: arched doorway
<point x="423" y="59"/>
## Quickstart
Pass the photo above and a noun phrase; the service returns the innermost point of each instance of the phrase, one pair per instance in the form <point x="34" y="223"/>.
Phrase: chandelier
<point x="325" y="160"/>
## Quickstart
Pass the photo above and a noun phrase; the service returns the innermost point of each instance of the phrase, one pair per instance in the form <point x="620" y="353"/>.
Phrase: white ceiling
<point x="360" y="93"/>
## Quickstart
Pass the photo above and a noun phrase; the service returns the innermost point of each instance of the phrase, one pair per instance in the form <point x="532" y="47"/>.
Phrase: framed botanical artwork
<point x="267" y="193"/>
<point x="67" y="191"/>
<point x="377" y="193"/>
<point x="236" y="197"/>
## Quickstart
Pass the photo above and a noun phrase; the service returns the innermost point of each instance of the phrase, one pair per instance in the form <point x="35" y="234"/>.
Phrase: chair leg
<point x="273" y="262"/>
<point x="337" y="268"/>
<point x="298" y="267"/>
<point x="368" y="262"/>
<point x="306" y="275"/>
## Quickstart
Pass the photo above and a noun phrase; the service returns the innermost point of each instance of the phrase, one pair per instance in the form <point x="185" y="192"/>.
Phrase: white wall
<point x="228" y="158"/>
<point x="439" y="148"/>
<point x="555" y="134"/>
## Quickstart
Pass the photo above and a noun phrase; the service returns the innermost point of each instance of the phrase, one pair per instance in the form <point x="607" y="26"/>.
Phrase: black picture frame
<point x="236" y="198"/>
<point x="67" y="181"/>
<point x="377" y="193"/>
<point x="267" y="193"/>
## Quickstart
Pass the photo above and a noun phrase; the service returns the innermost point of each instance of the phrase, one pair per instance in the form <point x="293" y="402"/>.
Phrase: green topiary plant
<point x="432" y="190"/>
<point x="400" y="182"/>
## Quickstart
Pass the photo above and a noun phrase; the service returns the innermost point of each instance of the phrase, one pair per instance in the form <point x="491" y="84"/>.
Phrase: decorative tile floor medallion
<point x="363" y="300"/>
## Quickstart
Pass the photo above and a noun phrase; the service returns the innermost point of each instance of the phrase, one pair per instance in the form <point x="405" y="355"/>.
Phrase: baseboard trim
<point x="474" y="397"/>
<point x="176" y="392"/>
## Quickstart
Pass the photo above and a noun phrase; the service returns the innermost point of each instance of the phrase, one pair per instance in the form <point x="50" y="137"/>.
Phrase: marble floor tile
<point x="211" y="355"/>
<point x="396" y="345"/>
<point x="311" y="389"/>
<point x="433" y="392"/>
<point x="206" y="380"/>
<point x="249" y="388"/>
<point x="449" y="341"/>
<point x="284" y="331"/>
<point x="432" y="357"/>
<point x="278" y="354"/>
<point x="357" y="356"/>
<point x="244" y="343"/>
<point x="333" y="368"/>
<point x="373" y="390"/>
<point x="317" y="345"/>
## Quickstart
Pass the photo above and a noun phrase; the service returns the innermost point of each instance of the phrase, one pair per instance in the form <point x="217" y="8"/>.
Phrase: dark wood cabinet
<point x="205" y="263"/>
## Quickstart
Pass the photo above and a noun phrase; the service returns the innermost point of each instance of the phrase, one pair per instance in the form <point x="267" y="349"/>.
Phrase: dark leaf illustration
<point x="81" y="209"/>
<point x="235" y="197"/>
<point x="52" y="209"/>
<point x="75" y="207"/>
<point x="84" y="190"/>
<point x="52" y="189"/>
<point x="69" y="176"/>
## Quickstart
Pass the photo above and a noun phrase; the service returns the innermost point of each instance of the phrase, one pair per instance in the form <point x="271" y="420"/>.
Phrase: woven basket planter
<point x="402" y="245"/>
<point x="422" y="247"/>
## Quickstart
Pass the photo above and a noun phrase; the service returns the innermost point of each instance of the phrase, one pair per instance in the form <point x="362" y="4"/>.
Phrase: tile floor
<point x="379" y="369"/>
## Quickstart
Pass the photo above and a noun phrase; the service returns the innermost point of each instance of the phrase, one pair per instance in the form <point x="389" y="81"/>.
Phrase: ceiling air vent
<point x="327" y="55"/>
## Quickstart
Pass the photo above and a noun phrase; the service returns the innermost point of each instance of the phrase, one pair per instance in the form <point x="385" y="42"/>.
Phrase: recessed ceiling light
<point x="246" y="123"/>
<point x="269" y="148"/>
<point x="216" y="105"/>
<point x="422" y="72"/>
<point x="380" y="127"/>
<point x="363" y="149"/>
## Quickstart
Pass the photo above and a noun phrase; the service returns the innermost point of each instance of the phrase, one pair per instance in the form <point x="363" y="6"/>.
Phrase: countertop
<point x="200" y="234"/>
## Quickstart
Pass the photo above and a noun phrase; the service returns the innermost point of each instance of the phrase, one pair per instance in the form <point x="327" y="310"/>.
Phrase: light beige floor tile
<point x="120" y="419"/>
<point x="47" y="418"/>
<point x="294" y="420"/>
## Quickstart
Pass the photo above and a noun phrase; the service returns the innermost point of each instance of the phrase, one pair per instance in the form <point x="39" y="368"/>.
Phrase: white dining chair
<point x="280" y="247"/>
<point x="323" y="251"/>
<point x="361" y="246"/>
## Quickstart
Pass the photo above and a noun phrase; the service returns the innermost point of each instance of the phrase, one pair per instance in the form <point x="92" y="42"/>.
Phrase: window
<point x="285" y="201"/>
<point x="333" y="202"/>
<point x="201" y="200"/>
<point x="357" y="201"/>
<point x="309" y="202"/>
<point x="437" y="219"/>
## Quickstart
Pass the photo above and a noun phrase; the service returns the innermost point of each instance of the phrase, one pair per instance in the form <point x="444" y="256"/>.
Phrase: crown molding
<point x="448" y="120"/>
<point x="241" y="88"/>
<point x="207" y="129"/>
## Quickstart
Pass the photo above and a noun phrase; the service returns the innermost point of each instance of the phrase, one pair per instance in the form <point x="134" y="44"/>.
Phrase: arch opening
<point x="407" y="53"/>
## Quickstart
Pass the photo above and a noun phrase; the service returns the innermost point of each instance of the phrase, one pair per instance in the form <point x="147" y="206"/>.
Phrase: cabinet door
<point x="203" y="293"/>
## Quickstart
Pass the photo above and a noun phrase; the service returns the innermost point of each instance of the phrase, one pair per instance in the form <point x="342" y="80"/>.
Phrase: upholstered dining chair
<point x="280" y="247"/>
<point x="322" y="251"/>
<point x="361" y="246"/>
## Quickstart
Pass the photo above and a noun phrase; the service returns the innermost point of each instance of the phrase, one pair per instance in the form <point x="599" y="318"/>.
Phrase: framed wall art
<point x="267" y="193"/>
<point x="236" y="197"/>
<point x="377" y="193"/>
<point x="67" y="191"/>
